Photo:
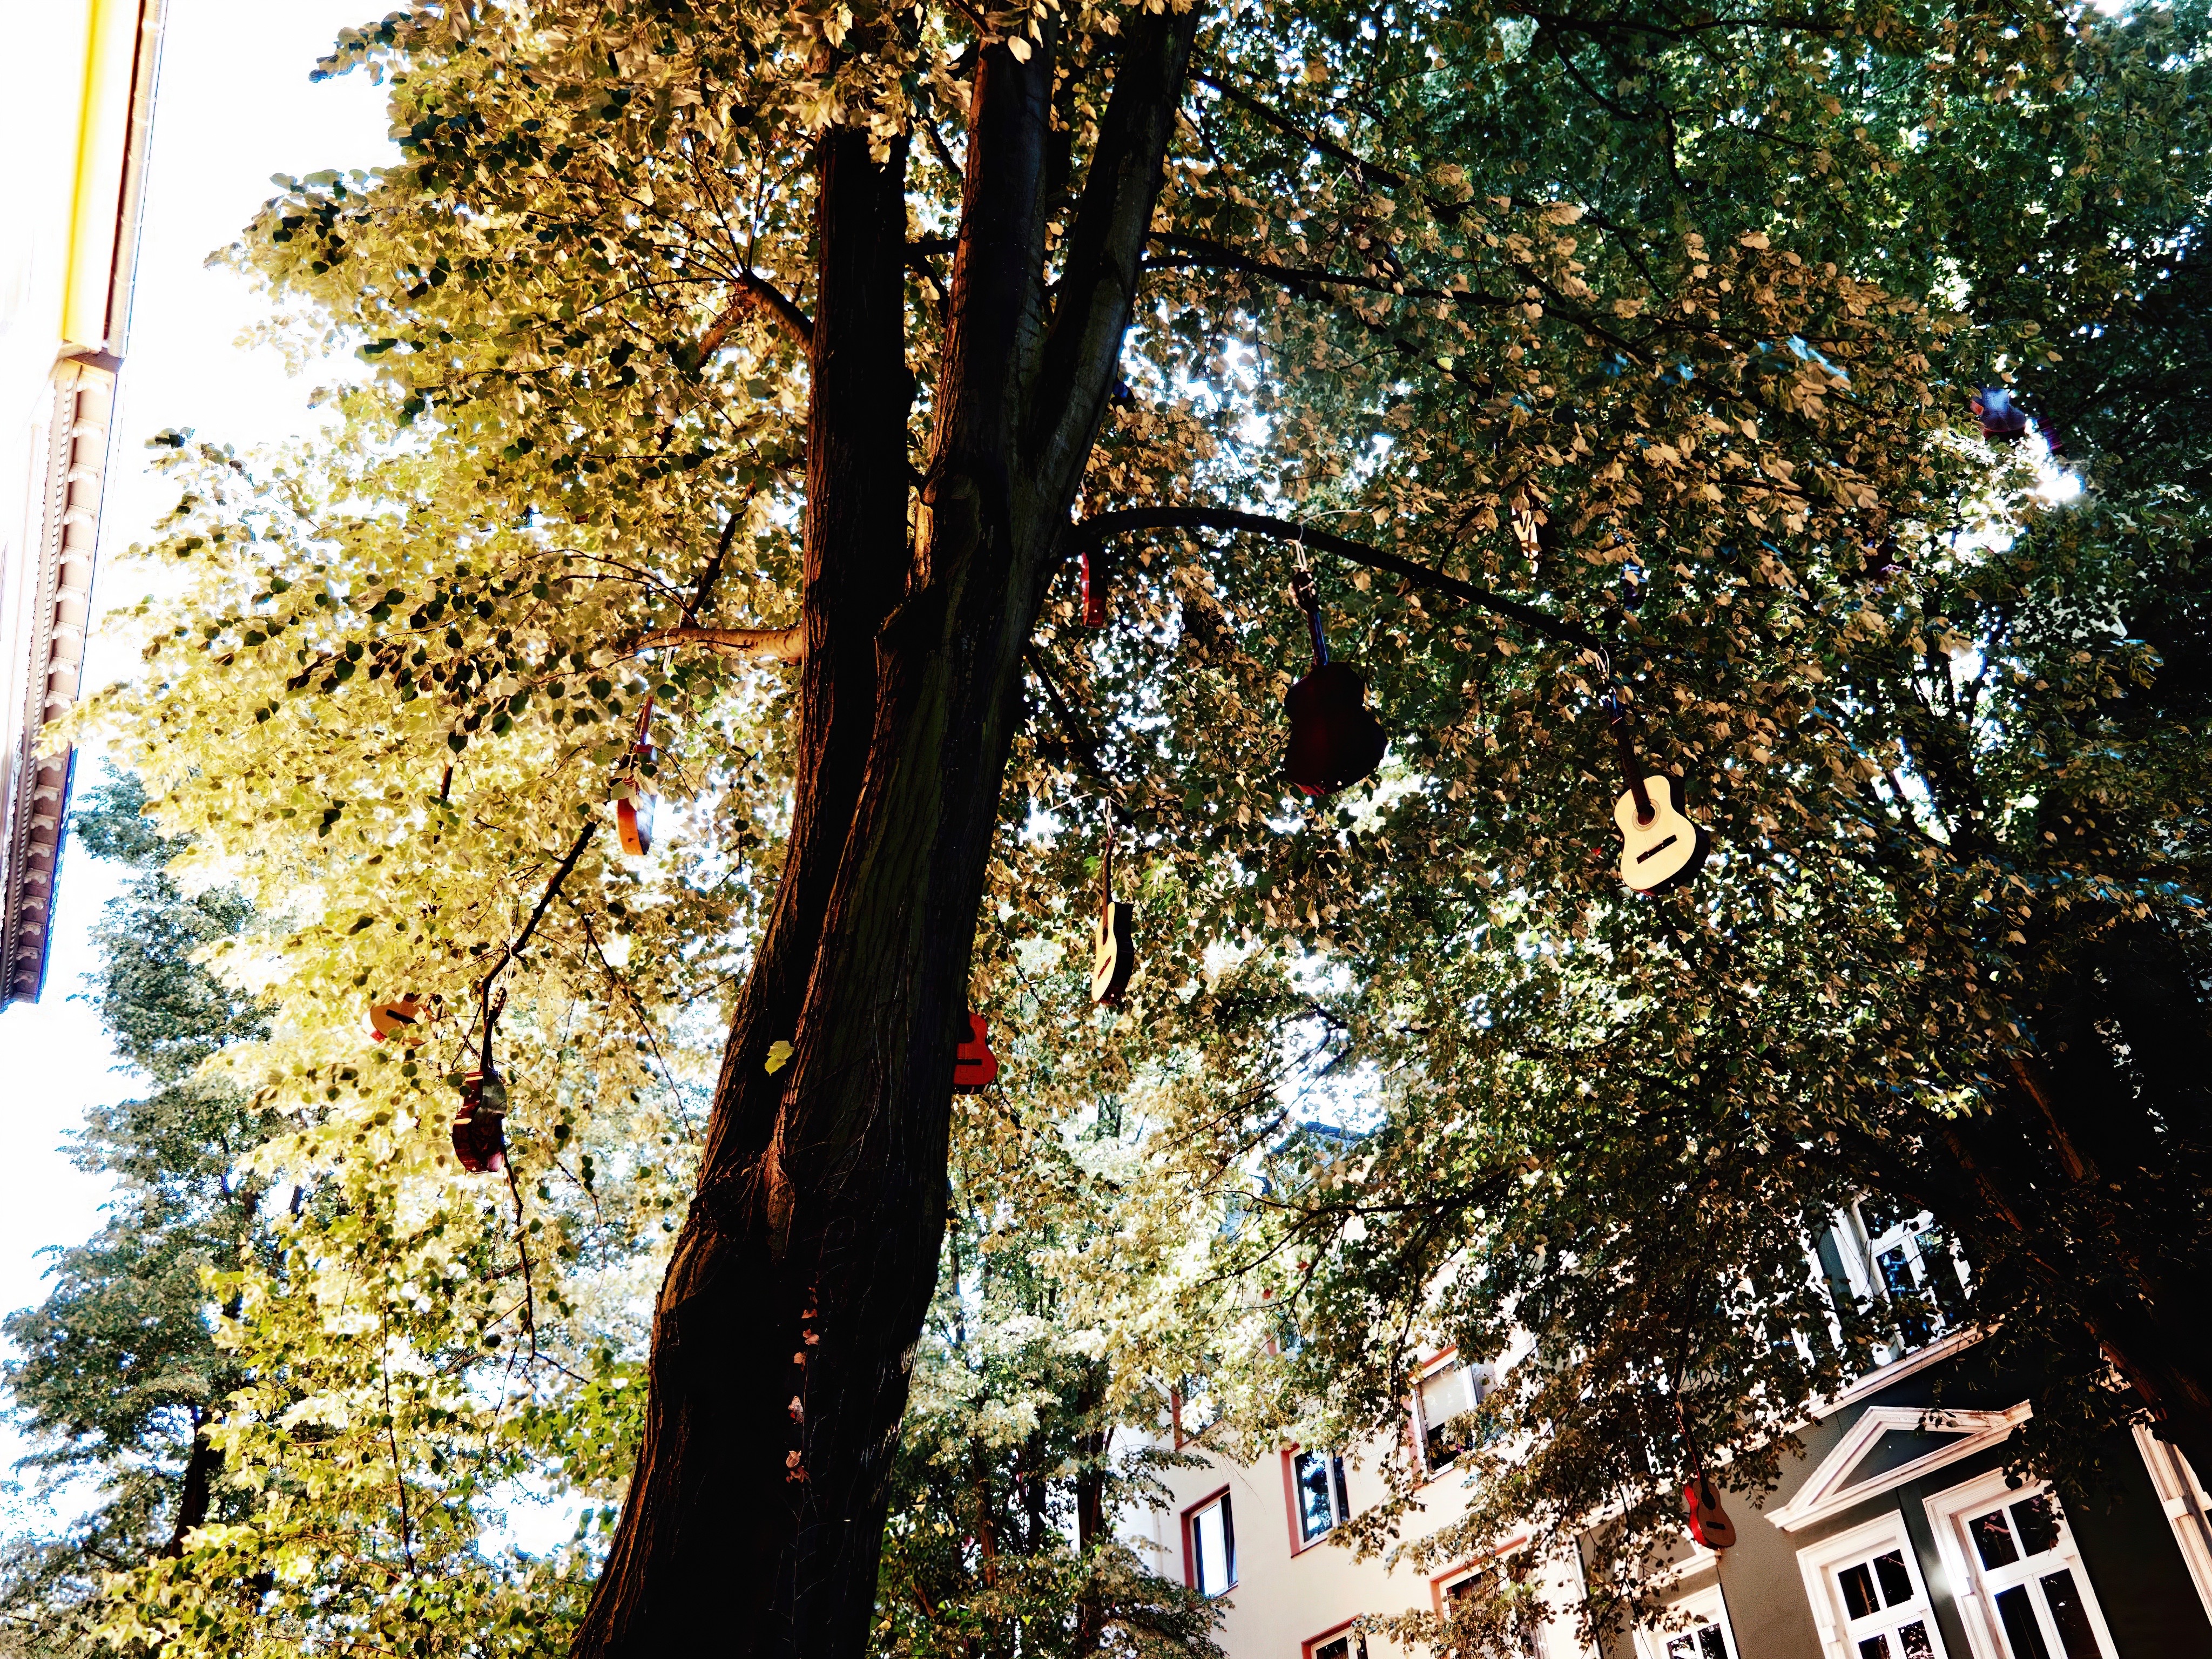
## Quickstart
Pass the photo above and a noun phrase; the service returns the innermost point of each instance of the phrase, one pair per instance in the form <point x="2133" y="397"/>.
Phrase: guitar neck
<point x="1632" y="769"/>
<point x="1301" y="588"/>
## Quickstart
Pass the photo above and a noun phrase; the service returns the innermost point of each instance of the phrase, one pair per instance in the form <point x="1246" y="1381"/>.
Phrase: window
<point x="2038" y="1599"/>
<point x="1445" y="1400"/>
<point x="1902" y="1260"/>
<point x="1705" y="1634"/>
<point x="1212" y="1540"/>
<point x="2030" y="1598"/>
<point x="1886" y="1615"/>
<point x="1317" y="1488"/>
<point x="1343" y="1644"/>
<point x="1868" y="1594"/>
<point x="1706" y="1641"/>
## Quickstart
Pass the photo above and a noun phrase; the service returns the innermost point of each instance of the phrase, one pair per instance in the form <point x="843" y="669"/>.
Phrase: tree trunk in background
<point x="785" y="1326"/>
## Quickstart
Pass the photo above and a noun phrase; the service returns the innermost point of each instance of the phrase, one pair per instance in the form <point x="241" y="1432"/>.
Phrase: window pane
<point x="1710" y="1646"/>
<point x="1896" y="1582"/>
<point x="2038" y="1521"/>
<point x="2022" y="1630"/>
<point x="1682" y="1647"/>
<point x="1897" y="1271"/>
<point x="1213" y="1543"/>
<point x="1310" y="1475"/>
<point x="1875" y="1647"/>
<point x="1447" y="1395"/>
<point x="1858" y="1591"/>
<point x="1343" y="1503"/>
<point x="1993" y="1539"/>
<point x="2070" y="1616"/>
<point x="1339" y="1648"/>
<point x="1913" y="1638"/>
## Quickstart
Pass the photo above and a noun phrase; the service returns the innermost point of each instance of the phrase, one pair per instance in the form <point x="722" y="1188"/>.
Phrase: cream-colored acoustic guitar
<point x="1660" y="845"/>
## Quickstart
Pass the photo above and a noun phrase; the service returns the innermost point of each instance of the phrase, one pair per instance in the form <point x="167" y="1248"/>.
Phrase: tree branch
<point x="758" y="295"/>
<point x="1093" y="532"/>
<point x="1097" y="287"/>
<point x="771" y="644"/>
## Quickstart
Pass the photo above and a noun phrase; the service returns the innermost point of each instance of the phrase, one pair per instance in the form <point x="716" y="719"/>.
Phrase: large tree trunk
<point x="785" y="1326"/>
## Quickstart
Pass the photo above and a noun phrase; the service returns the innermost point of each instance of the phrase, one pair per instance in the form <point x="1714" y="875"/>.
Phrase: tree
<point x="829" y="341"/>
<point x="119" y="1374"/>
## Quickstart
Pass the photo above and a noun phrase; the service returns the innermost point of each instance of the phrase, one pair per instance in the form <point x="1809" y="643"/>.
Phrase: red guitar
<point x="1709" y="1522"/>
<point x="975" y="1067"/>
<point x="1335" y="739"/>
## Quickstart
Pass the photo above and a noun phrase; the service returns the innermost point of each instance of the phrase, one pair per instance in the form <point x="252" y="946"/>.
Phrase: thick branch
<point x="771" y="644"/>
<point x="756" y="293"/>
<point x="1097" y="287"/>
<point x="1094" y="531"/>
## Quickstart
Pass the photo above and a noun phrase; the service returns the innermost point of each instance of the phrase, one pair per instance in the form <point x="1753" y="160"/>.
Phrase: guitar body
<point x="1709" y="1522"/>
<point x="1665" y="852"/>
<point x="1113" y="953"/>
<point x="975" y="1067"/>
<point x="403" y="1019"/>
<point x="634" y="802"/>
<point x="480" y="1127"/>
<point x="1335" y="739"/>
<point x="634" y="823"/>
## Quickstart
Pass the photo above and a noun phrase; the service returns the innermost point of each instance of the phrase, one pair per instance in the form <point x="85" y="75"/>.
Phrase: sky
<point x="234" y="106"/>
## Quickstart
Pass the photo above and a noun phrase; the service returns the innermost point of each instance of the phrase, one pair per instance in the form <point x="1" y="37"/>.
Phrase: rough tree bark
<point x="786" y="1322"/>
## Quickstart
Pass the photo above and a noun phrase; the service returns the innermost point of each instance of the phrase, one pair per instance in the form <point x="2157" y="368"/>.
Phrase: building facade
<point x="1896" y="1535"/>
<point x="76" y="97"/>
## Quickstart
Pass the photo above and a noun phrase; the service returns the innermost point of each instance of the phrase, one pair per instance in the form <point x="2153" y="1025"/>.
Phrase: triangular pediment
<point x="1888" y="1446"/>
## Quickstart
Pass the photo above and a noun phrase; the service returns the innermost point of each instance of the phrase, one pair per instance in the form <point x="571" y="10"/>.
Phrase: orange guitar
<point x="633" y="804"/>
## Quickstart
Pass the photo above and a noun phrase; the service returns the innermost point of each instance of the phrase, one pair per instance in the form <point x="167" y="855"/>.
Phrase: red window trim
<point x="1189" y="1554"/>
<point x="1306" y="1651"/>
<point x="1519" y="1540"/>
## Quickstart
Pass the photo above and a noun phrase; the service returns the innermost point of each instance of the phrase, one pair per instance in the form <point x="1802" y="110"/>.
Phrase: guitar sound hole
<point x="1653" y="851"/>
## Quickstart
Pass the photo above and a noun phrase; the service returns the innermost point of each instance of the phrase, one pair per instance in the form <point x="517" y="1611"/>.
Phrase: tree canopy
<point x="766" y="385"/>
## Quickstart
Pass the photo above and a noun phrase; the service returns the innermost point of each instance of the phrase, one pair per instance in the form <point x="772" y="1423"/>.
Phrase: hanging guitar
<point x="1709" y="1522"/>
<point x="1660" y="847"/>
<point x="633" y="804"/>
<point x="1335" y="739"/>
<point x="407" y="1020"/>
<point x="480" y="1126"/>
<point x="1113" y="944"/>
<point x="975" y="1067"/>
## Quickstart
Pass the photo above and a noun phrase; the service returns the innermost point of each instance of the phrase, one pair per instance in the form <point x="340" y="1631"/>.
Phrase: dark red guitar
<point x="1335" y="739"/>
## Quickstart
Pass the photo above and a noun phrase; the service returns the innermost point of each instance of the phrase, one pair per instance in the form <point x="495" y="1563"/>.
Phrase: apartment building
<point x="1895" y="1535"/>
<point x="77" y="94"/>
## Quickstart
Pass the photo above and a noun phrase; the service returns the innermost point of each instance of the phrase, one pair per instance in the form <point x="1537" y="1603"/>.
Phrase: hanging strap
<point x="1302" y="589"/>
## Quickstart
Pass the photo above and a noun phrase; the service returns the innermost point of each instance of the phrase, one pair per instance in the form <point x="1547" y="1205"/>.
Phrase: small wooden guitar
<point x="1661" y="847"/>
<point x="1709" y="1522"/>
<point x="1113" y="942"/>
<point x="1335" y="739"/>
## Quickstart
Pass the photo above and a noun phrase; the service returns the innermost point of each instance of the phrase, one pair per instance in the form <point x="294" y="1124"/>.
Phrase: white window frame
<point x="1339" y="1500"/>
<point x="1819" y="1563"/>
<point x="1479" y="1381"/>
<point x="2182" y="1495"/>
<point x="1706" y="1607"/>
<point x="1195" y="1556"/>
<point x="1949" y="1513"/>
